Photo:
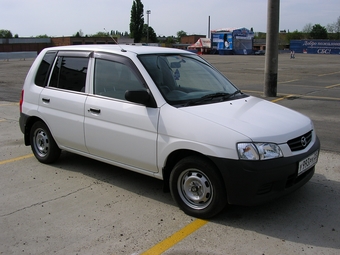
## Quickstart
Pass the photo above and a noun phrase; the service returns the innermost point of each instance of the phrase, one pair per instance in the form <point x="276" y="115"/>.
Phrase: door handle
<point x="93" y="110"/>
<point x="46" y="100"/>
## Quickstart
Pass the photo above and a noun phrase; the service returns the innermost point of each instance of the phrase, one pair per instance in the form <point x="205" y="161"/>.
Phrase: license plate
<point x="308" y="162"/>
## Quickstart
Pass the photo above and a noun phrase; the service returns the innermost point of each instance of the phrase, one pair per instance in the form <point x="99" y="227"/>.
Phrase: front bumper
<point x="256" y="182"/>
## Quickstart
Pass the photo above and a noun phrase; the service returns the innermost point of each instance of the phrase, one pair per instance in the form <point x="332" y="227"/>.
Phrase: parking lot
<point x="81" y="206"/>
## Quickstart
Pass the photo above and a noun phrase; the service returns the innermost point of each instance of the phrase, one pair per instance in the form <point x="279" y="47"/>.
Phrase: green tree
<point x="79" y="34"/>
<point x="319" y="32"/>
<point x="307" y="28"/>
<point x="137" y="21"/>
<point x="152" y="34"/>
<point x="42" y="36"/>
<point x="260" y="35"/>
<point x="170" y="40"/>
<point x="295" y="35"/>
<point x="180" y="34"/>
<point x="334" y="28"/>
<point x="5" y="33"/>
<point x="100" y="34"/>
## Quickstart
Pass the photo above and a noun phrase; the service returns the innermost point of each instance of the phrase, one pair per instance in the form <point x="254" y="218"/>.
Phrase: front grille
<point x="301" y="142"/>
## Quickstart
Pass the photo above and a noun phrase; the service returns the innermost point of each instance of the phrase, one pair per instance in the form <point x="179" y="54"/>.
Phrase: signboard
<point x="315" y="46"/>
<point x="243" y="33"/>
<point x="222" y="41"/>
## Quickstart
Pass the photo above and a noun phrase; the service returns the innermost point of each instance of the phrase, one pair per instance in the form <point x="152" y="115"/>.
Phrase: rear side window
<point x="44" y="69"/>
<point x="70" y="73"/>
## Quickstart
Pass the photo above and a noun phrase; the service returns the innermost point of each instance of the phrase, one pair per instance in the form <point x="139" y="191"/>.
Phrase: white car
<point x="169" y="114"/>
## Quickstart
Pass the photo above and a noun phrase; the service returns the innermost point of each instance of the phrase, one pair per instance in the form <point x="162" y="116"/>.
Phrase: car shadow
<point x="307" y="216"/>
<point x="128" y="180"/>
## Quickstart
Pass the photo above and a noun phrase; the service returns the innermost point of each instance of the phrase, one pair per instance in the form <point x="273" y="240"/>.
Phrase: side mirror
<point x="140" y="97"/>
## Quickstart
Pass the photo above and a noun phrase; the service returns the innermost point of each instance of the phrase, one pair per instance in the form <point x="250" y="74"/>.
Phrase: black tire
<point x="44" y="147"/>
<point x="197" y="187"/>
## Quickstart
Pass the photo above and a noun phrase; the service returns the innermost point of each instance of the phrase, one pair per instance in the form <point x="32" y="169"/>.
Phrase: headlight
<point x="258" y="151"/>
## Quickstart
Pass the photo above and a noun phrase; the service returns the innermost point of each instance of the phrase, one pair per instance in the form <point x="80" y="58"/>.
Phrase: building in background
<point x="24" y="44"/>
<point x="21" y="48"/>
<point x="67" y="40"/>
<point x="231" y="41"/>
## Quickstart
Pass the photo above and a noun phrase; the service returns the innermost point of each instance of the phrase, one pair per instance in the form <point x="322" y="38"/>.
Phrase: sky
<point x="57" y="18"/>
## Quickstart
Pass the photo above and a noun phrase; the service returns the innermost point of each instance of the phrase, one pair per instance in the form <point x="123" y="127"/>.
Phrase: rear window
<point x="70" y="73"/>
<point x="44" y="69"/>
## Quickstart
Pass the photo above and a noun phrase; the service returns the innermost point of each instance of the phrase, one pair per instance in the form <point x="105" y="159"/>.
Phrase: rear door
<point x="62" y="102"/>
<point x="117" y="130"/>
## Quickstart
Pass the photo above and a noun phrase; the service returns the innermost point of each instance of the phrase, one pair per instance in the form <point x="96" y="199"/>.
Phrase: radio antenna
<point x="122" y="50"/>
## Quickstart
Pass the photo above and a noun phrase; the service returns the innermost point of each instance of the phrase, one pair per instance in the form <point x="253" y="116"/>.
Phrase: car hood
<point x="258" y="119"/>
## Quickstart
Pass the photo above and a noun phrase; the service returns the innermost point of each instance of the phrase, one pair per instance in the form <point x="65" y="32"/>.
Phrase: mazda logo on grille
<point x="303" y="141"/>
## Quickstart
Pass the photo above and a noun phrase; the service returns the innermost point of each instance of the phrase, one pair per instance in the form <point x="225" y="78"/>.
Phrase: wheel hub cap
<point x="41" y="142"/>
<point x="195" y="189"/>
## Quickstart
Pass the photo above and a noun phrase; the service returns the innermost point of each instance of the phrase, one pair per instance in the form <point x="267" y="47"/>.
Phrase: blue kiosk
<point x="230" y="41"/>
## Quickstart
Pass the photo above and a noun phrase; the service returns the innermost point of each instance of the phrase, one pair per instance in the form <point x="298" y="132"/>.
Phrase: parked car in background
<point x="260" y="52"/>
<point x="169" y="114"/>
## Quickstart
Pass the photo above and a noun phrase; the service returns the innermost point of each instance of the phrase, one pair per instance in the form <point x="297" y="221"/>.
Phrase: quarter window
<point x="70" y="73"/>
<point x="44" y="69"/>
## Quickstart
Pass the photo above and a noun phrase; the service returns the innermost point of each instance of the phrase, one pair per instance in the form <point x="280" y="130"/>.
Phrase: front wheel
<point x="197" y="187"/>
<point x="44" y="147"/>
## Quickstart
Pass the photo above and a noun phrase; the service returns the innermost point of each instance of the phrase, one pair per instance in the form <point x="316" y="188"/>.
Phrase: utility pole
<point x="272" y="48"/>
<point x="208" y="36"/>
<point x="148" y="12"/>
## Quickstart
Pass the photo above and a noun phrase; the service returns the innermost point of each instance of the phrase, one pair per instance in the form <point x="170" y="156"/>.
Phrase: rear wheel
<point x="44" y="147"/>
<point x="197" y="187"/>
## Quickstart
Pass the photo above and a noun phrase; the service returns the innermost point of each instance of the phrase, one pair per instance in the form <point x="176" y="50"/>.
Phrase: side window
<point x="70" y="73"/>
<point x="113" y="79"/>
<point x="44" y="69"/>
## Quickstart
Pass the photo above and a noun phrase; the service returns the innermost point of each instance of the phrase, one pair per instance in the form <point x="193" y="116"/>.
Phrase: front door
<point x="116" y="130"/>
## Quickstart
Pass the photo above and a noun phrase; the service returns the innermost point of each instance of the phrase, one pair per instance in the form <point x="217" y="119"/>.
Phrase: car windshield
<point x="187" y="79"/>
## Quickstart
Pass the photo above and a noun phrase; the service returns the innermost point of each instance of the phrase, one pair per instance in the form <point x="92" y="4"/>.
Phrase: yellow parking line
<point x="320" y="75"/>
<point x="15" y="159"/>
<point x="175" y="238"/>
<point x="281" y="82"/>
<point x="332" y="86"/>
<point x="317" y="97"/>
<point x="284" y="96"/>
<point x="281" y="98"/>
<point x="9" y="104"/>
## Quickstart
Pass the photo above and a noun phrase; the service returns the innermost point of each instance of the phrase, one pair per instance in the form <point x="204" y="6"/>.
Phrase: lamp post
<point x="272" y="42"/>
<point x="148" y="12"/>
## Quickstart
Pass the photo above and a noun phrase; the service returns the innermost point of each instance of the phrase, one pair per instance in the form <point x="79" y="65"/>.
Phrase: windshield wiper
<point x="232" y="94"/>
<point x="206" y="98"/>
<point x="224" y="96"/>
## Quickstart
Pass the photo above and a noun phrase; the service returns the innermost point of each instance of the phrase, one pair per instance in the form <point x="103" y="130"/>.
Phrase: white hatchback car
<point x="169" y="114"/>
